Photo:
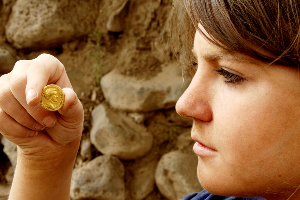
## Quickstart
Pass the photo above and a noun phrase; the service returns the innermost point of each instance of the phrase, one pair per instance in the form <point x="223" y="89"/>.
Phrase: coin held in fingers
<point x="53" y="97"/>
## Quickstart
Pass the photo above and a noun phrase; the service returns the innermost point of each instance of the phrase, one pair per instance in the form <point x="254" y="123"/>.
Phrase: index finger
<point x="44" y="70"/>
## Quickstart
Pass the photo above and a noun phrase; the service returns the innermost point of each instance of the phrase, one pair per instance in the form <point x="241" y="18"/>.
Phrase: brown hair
<point x="243" y="26"/>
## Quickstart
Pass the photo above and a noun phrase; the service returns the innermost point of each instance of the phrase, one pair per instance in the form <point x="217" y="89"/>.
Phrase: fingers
<point x="68" y="127"/>
<point x="21" y="93"/>
<point x="43" y="70"/>
<point x="17" y="85"/>
<point x="13" y="130"/>
<point x="49" y="71"/>
<point x="11" y="106"/>
<point x="30" y="77"/>
<point x="32" y="140"/>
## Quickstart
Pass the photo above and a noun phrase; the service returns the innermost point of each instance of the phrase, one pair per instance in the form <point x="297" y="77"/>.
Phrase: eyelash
<point x="229" y="77"/>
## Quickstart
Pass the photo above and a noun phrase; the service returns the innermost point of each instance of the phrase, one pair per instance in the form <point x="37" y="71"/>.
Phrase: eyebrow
<point x="223" y="54"/>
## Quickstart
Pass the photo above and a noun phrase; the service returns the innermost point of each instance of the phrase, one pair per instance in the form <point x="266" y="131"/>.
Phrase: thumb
<point x="69" y="124"/>
<point x="72" y="108"/>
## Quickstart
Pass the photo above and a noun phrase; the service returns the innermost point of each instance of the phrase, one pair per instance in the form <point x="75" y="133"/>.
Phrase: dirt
<point x="141" y="66"/>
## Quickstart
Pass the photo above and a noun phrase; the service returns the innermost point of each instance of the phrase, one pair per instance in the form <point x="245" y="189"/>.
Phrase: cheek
<point x="254" y="143"/>
<point x="255" y="129"/>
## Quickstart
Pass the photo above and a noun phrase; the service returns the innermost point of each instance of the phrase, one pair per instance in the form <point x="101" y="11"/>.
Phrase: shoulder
<point x="204" y="195"/>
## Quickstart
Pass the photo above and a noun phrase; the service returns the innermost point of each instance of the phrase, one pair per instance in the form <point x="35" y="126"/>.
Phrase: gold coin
<point x="53" y="97"/>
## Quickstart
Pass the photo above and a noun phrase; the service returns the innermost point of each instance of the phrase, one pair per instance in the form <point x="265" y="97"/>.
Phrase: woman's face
<point x="246" y="123"/>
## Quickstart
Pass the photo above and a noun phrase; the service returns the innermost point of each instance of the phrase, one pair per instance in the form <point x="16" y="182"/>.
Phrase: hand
<point x="47" y="141"/>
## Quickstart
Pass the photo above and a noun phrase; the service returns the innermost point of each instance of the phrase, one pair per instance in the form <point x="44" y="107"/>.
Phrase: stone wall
<point x="118" y="57"/>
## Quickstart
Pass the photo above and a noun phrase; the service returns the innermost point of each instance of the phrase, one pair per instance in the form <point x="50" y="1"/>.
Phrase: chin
<point x="228" y="192"/>
<point x="224" y="186"/>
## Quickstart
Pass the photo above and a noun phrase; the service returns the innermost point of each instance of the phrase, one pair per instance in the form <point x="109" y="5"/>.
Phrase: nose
<point x="194" y="103"/>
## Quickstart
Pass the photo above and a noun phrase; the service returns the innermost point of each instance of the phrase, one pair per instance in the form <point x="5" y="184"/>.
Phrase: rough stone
<point x="140" y="117"/>
<point x="5" y="9"/>
<point x="176" y="176"/>
<point x="85" y="149"/>
<point x="37" y="25"/>
<point x="10" y="174"/>
<point x="177" y="120"/>
<point x="8" y="58"/>
<point x="143" y="182"/>
<point x="140" y="95"/>
<point x="115" y="22"/>
<point x="4" y="191"/>
<point x="118" y="134"/>
<point x="184" y="139"/>
<point x="101" y="178"/>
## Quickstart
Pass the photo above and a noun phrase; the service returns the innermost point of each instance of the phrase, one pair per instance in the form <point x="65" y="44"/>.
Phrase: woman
<point x="243" y="99"/>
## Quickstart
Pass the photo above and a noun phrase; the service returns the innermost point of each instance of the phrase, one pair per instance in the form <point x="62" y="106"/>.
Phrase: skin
<point x="47" y="141"/>
<point x="251" y="125"/>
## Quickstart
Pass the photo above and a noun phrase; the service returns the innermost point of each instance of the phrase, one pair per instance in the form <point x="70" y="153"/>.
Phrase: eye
<point x="229" y="76"/>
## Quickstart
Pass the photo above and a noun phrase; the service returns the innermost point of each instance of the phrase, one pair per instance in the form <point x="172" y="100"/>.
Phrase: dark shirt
<point x="204" y="195"/>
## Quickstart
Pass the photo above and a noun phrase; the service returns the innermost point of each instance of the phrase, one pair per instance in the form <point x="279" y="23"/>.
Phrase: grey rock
<point x="115" y="21"/>
<point x="118" y="134"/>
<point x="10" y="174"/>
<point x="184" y="139"/>
<point x="85" y="149"/>
<point x="5" y="9"/>
<point x="172" y="116"/>
<point x="140" y="95"/>
<point x="4" y="191"/>
<point x="8" y="58"/>
<point x="140" y="117"/>
<point x="176" y="175"/>
<point x="39" y="25"/>
<point x="143" y="182"/>
<point x="101" y="178"/>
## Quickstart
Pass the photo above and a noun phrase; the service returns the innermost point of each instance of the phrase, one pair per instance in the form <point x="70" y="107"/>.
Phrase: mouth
<point x="202" y="150"/>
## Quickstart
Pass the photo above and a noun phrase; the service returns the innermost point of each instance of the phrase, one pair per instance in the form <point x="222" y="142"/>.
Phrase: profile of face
<point x="246" y="123"/>
<point x="52" y="95"/>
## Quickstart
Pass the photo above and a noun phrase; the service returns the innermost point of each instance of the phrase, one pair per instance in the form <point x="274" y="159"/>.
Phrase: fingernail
<point x="31" y="95"/>
<point x="31" y="133"/>
<point x="38" y="126"/>
<point x="49" y="121"/>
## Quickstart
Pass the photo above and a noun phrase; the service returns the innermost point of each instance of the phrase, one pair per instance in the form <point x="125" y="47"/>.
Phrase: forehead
<point x="206" y="50"/>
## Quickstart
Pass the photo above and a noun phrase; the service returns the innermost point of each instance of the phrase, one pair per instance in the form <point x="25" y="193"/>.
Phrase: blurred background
<point x="118" y="56"/>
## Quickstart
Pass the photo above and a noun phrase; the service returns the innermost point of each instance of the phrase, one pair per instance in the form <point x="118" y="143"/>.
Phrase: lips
<point x="202" y="150"/>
